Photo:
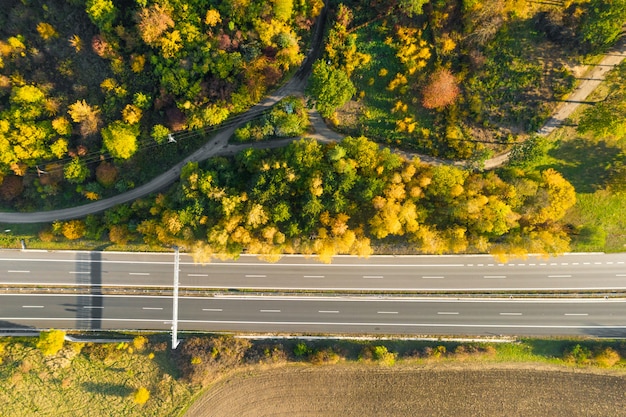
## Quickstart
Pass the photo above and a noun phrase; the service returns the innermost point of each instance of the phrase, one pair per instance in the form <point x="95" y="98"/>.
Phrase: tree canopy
<point x="343" y="198"/>
<point x="330" y="87"/>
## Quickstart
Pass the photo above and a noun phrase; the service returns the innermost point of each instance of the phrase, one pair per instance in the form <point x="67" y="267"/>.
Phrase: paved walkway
<point x="219" y="144"/>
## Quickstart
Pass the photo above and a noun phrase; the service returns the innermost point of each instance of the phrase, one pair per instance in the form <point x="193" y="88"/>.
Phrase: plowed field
<point x="458" y="390"/>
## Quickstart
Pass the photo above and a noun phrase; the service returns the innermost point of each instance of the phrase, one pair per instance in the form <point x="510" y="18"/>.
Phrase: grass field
<point x="88" y="380"/>
<point x="91" y="379"/>
<point x="586" y="162"/>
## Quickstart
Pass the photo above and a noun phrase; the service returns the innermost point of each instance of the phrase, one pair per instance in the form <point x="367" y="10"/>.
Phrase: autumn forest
<point x="93" y="92"/>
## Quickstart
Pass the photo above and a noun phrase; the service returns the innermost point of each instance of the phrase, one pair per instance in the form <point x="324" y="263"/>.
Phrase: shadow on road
<point x="606" y="332"/>
<point x="89" y="305"/>
<point x="11" y="327"/>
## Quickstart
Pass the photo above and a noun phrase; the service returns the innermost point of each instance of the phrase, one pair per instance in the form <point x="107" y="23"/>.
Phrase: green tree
<point x="330" y="87"/>
<point x="120" y="139"/>
<point x="603" y="22"/>
<point x="102" y="13"/>
<point x="159" y="133"/>
<point x="605" y="118"/>
<point x="76" y="171"/>
<point x="411" y="7"/>
<point x="51" y="342"/>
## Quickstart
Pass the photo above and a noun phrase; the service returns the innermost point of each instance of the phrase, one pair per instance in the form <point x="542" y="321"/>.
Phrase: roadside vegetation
<point x="338" y="198"/>
<point x="46" y="376"/>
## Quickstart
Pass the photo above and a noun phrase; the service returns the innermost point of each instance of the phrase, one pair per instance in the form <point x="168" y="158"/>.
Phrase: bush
<point x="607" y="357"/>
<point x="436" y="352"/>
<point x="579" y="355"/>
<point x="140" y="342"/>
<point x="51" y="342"/>
<point x="301" y="350"/>
<point x="73" y="229"/>
<point x="46" y="235"/>
<point x="379" y="354"/>
<point x="141" y="396"/>
<point x="383" y="356"/>
<point x="324" y="356"/>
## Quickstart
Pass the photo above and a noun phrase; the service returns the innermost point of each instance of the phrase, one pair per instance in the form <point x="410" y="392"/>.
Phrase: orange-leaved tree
<point x="442" y="90"/>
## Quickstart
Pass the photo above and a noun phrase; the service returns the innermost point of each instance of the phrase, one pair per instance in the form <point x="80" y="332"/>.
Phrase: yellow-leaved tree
<point x="120" y="139"/>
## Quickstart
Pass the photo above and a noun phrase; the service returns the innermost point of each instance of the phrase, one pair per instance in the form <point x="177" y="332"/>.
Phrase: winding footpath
<point x="219" y="145"/>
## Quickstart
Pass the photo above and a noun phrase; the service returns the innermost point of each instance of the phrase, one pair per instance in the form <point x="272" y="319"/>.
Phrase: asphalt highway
<point x="570" y="272"/>
<point x="418" y="316"/>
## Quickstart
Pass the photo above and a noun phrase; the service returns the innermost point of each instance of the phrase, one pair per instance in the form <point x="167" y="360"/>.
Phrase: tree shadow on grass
<point x="584" y="163"/>
<point x="557" y="348"/>
<point x="118" y="390"/>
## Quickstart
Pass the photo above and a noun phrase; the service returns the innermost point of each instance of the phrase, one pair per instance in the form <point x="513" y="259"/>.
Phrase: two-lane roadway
<point x="370" y="315"/>
<point x="572" y="272"/>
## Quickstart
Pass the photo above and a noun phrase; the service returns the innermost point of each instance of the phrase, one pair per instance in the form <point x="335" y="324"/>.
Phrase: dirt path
<point x="461" y="390"/>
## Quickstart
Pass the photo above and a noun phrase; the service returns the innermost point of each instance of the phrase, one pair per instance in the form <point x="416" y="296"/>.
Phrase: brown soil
<point x="461" y="390"/>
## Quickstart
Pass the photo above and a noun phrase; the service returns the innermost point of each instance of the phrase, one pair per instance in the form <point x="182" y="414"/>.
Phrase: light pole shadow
<point x="89" y="303"/>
